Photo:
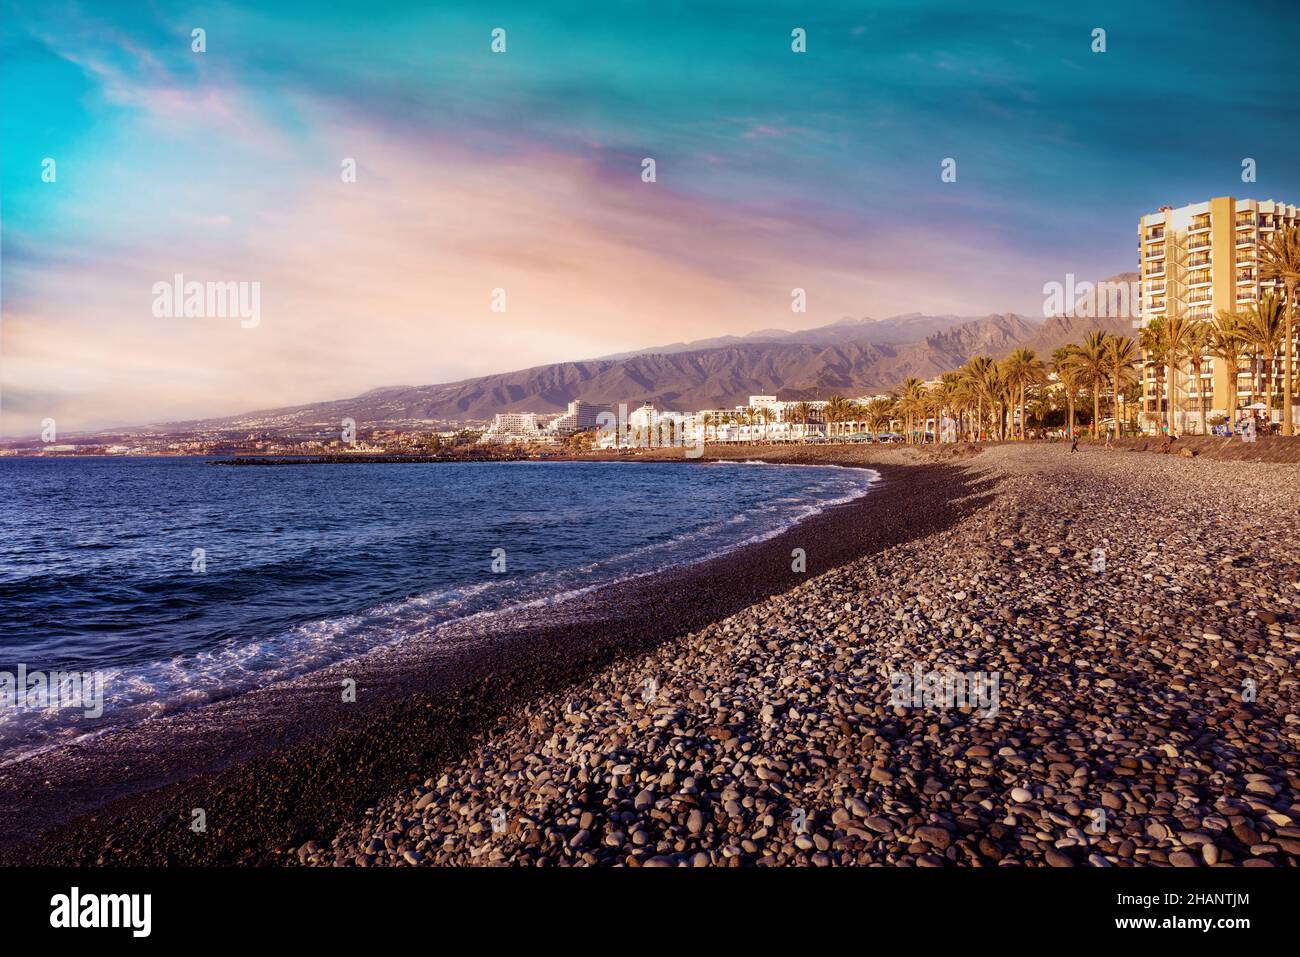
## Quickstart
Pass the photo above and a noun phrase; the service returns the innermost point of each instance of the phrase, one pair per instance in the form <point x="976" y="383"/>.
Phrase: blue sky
<point x="521" y="170"/>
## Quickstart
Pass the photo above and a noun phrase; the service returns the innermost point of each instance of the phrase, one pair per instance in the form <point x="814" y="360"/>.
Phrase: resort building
<point x="764" y="418"/>
<point x="1197" y="261"/>
<point x="513" y="427"/>
<point x="581" y="417"/>
<point x="648" y="427"/>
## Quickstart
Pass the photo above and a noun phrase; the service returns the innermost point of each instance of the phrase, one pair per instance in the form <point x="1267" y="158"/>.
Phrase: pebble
<point x="775" y="738"/>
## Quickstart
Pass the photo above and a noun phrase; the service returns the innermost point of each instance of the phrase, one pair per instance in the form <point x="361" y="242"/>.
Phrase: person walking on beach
<point x="1074" y="443"/>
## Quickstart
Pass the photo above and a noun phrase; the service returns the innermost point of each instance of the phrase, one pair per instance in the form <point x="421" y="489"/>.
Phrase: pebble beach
<point x="1137" y="612"/>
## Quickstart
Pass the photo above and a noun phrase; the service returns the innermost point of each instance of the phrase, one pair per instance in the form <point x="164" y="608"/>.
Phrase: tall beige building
<point x="1198" y="260"/>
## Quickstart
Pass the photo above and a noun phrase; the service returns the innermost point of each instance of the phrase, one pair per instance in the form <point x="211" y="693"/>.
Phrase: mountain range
<point x="853" y="357"/>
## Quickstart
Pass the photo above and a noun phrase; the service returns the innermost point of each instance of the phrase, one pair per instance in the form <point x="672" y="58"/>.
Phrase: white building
<point x="582" y="416"/>
<point x="513" y="427"/>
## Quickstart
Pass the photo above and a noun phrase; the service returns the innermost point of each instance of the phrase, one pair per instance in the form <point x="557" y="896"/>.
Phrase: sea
<point x="169" y="583"/>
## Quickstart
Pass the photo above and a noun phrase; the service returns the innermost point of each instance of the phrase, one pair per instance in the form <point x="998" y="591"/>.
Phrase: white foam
<point x="145" y="692"/>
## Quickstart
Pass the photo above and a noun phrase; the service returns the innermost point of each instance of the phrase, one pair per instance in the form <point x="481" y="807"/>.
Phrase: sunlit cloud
<point x="523" y="173"/>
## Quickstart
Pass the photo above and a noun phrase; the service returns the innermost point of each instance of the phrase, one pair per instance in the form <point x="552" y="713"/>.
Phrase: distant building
<point x="1196" y="261"/>
<point x="582" y="416"/>
<point x="513" y="427"/>
<point x="643" y="418"/>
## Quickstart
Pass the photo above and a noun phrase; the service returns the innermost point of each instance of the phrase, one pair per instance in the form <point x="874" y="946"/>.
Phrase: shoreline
<point x="287" y="764"/>
<point x="1146" y="712"/>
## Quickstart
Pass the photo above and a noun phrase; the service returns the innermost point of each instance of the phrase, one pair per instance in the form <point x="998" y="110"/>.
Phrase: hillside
<point x="853" y="357"/>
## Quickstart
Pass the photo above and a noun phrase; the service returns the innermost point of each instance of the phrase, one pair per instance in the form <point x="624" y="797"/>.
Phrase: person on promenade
<point x="1074" y="443"/>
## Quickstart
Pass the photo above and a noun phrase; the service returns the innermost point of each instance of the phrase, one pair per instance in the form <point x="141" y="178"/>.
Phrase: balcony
<point x="1199" y="242"/>
<point x="1199" y="224"/>
<point x="1197" y="262"/>
<point x="1156" y="252"/>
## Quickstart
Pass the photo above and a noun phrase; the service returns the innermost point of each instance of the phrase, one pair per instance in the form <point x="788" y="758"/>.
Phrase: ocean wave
<point x="147" y="691"/>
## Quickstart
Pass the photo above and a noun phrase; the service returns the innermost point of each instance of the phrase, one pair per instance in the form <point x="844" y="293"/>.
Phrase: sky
<point x="522" y="171"/>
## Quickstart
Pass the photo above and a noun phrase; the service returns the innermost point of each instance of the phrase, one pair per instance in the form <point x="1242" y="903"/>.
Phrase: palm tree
<point x="911" y="402"/>
<point x="975" y="372"/>
<point x="1121" y="357"/>
<point x="1262" y="326"/>
<point x="836" y="411"/>
<point x="1251" y="339"/>
<point x="1065" y="364"/>
<point x="994" y="389"/>
<point x="1178" y="337"/>
<point x="1020" y="369"/>
<point x="1041" y="405"/>
<point x="877" y="413"/>
<point x="967" y="399"/>
<point x="749" y="415"/>
<point x="1094" y="371"/>
<point x="766" y="415"/>
<point x="853" y="413"/>
<point x="1155" y="346"/>
<point x="1198" y="344"/>
<point x="1280" y="261"/>
<point x="802" y="412"/>
<point x="946" y="395"/>
<point x="1225" y="345"/>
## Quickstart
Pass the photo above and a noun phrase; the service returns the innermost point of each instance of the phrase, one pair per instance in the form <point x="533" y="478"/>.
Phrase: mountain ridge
<point x="849" y="356"/>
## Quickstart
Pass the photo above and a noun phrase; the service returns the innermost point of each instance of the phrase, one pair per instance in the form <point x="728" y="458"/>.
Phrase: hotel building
<point x="513" y="427"/>
<point x="582" y="416"/>
<point x="1196" y="261"/>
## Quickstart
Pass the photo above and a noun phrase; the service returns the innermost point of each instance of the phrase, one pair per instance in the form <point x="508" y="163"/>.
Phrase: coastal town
<point x="1209" y="356"/>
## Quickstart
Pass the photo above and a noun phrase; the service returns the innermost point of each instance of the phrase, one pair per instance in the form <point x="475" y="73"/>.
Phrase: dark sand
<point x="288" y="764"/>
